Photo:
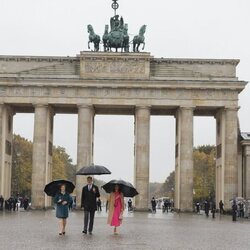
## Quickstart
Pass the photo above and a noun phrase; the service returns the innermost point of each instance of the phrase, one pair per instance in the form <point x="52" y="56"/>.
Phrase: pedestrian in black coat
<point x="221" y="205"/>
<point x="1" y="202"/>
<point x="153" y="203"/>
<point x="90" y="193"/>
<point x="234" y="210"/>
<point x="206" y="204"/>
<point x="213" y="209"/>
<point x="25" y="203"/>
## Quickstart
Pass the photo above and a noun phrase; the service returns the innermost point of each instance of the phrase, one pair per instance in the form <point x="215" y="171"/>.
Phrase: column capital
<point x="228" y="108"/>
<point x="85" y="106"/>
<point x="139" y="107"/>
<point x="187" y="107"/>
<point x="40" y="105"/>
<point x="52" y="111"/>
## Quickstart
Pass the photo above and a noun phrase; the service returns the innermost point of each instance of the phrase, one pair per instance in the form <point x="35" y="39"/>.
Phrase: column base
<point x="37" y="208"/>
<point x="142" y="210"/>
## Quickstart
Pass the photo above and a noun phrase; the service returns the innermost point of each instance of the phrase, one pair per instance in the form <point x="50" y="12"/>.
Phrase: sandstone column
<point x="184" y="159"/>
<point x="220" y="155"/>
<point x="231" y="155"/>
<point x="85" y="145"/>
<point x="42" y="155"/>
<point x="246" y="162"/>
<point x="142" y="144"/>
<point x="227" y="156"/>
<point x="49" y="147"/>
<point x="6" y="136"/>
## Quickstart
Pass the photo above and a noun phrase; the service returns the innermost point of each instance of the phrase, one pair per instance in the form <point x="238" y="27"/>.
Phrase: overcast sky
<point x="175" y="29"/>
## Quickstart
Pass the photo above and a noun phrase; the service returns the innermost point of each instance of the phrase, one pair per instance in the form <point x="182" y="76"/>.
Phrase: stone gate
<point x="131" y="84"/>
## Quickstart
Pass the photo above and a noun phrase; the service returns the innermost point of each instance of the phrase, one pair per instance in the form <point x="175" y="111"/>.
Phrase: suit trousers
<point x="89" y="220"/>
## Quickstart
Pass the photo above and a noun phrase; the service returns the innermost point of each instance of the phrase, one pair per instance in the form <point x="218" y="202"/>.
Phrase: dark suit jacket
<point x="88" y="201"/>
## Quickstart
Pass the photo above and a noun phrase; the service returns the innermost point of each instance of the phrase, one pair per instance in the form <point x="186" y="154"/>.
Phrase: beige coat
<point x="111" y="205"/>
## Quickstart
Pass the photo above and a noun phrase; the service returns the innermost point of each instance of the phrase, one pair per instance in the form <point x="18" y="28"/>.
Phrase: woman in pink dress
<point x="116" y="208"/>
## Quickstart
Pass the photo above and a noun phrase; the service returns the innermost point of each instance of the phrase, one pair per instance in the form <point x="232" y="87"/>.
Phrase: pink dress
<point x="117" y="211"/>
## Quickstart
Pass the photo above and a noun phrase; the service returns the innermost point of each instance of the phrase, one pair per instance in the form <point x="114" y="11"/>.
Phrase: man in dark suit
<point x="90" y="193"/>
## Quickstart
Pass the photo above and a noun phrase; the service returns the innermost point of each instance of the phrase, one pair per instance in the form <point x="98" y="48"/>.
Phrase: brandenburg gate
<point x="125" y="83"/>
<point x="136" y="84"/>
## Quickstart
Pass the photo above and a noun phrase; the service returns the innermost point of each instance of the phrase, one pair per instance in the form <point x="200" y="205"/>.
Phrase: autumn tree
<point x="62" y="167"/>
<point x="204" y="175"/>
<point x="204" y="172"/>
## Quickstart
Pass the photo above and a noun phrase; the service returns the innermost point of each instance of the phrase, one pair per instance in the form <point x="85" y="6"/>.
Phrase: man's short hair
<point x="89" y="177"/>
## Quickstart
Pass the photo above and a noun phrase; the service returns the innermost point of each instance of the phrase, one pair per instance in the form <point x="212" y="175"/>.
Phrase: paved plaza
<point x="38" y="230"/>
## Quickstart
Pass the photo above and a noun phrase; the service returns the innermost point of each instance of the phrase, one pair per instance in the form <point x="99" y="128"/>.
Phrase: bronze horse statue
<point x="93" y="38"/>
<point x="105" y="38"/>
<point x="139" y="39"/>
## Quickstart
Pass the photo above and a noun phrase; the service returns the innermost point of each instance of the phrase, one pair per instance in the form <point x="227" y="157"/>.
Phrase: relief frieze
<point x="118" y="67"/>
<point x="127" y="67"/>
<point x="106" y="92"/>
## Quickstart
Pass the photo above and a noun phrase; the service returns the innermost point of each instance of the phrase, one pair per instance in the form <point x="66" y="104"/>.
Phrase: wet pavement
<point x="38" y="230"/>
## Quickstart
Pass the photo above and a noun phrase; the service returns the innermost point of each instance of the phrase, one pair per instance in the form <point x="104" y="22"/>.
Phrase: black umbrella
<point x="126" y="188"/>
<point x="52" y="188"/>
<point x="93" y="170"/>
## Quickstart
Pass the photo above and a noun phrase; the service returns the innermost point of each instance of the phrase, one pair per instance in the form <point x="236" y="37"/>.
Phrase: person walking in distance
<point x="1" y="202"/>
<point x="234" y="210"/>
<point x="90" y="193"/>
<point x="221" y="206"/>
<point x="213" y="209"/>
<point x="198" y="207"/>
<point x="153" y="203"/>
<point x="130" y="205"/>
<point x="206" y="206"/>
<point x="99" y="205"/>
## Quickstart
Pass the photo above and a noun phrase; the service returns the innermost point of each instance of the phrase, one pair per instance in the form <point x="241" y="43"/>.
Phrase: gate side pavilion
<point x="124" y="84"/>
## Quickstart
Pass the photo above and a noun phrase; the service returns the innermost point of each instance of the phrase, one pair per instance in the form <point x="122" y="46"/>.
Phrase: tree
<point x="62" y="167"/>
<point x="204" y="172"/>
<point x="204" y="175"/>
<point x="21" y="166"/>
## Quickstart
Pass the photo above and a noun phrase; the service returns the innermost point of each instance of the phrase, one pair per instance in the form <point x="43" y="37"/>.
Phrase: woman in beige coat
<point x="116" y="208"/>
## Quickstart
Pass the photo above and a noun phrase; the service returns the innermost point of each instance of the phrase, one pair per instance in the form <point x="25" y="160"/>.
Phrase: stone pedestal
<point x="142" y="139"/>
<point x="85" y="145"/>
<point x="42" y="156"/>
<point x="6" y="135"/>
<point x="184" y="160"/>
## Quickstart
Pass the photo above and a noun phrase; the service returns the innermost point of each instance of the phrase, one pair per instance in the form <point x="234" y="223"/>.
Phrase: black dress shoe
<point x="84" y="232"/>
<point x="90" y="233"/>
<point x="63" y="233"/>
<point x="60" y="233"/>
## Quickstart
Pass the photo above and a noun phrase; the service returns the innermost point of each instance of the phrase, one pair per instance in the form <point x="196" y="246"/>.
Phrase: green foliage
<point x="62" y="167"/>
<point x="21" y="166"/>
<point x="204" y="173"/>
<point x="204" y="176"/>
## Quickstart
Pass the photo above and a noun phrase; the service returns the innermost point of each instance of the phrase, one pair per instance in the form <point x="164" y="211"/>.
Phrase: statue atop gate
<point x="117" y="37"/>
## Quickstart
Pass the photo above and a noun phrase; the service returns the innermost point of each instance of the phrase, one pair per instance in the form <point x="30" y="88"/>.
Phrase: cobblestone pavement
<point x="38" y="230"/>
